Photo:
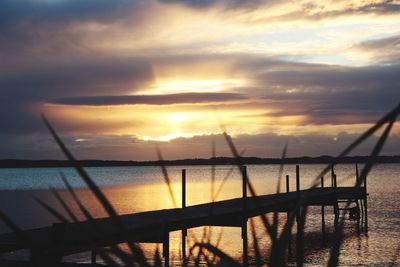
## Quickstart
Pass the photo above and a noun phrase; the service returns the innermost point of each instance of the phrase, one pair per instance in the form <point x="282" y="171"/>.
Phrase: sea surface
<point x="135" y="189"/>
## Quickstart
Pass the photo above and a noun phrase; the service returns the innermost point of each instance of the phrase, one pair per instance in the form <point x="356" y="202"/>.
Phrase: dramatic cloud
<point x="220" y="3"/>
<point x="329" y="91"/>
<point x="385" y="50"/>
<point x="23" y="90"/>
<point x="164" y="69"/>
<point x="149" y="99"/>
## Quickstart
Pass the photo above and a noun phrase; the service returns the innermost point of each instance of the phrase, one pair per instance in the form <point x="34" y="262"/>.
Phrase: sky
<point x="117" y="78"/>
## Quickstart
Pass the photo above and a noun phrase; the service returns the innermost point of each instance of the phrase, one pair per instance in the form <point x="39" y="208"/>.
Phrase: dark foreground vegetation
<point x="202" y="252"/>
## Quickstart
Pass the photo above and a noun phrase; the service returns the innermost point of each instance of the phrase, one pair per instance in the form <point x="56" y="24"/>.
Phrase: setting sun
<point x="169" y="86"/>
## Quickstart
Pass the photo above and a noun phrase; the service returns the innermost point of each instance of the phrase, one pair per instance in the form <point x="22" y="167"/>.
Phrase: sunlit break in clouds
<point x="116" y="77"/>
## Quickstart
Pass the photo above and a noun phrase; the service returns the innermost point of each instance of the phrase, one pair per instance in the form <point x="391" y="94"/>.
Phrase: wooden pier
<point x="155" y="226"/>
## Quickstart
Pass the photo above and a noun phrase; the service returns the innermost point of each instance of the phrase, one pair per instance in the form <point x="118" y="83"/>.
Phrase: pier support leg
<point x="336" y="213"/>
<point x="245" y="244"/>
<point x="365" y="215"/>
<point x="323" y="222"/>
<point x="166" y="249"/>
<point x="244" y="224"/>
<point x="358" y="216"/>
<point x="184" y="234"/>
<point x="287" y="219"/>
<point x="184" y="231"/>
<point x="323" y="213"/>
<point x="300" y="221"/>
<point x="299" y="238"/>
<point x="361" y="214"/>
<point x="289" y="238"/>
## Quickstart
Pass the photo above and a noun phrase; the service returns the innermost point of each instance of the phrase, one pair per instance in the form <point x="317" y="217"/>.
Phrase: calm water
<point x="133" y="189"/>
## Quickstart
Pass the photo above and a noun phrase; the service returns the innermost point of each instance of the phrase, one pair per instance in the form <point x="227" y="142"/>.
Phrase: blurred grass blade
<point x="82" y="208"/>
<point x="275" y="221"/>
<point x="107" y="259"/>
<point x="228" y="174"/>
<point x="64" y="205"/>
<point x="97" y="192"/>
<point x="239" y="165"/>
<point x="51" y="210"/>
<point x="279" y="247"/>
<point x="166" y="177"/>
<point x="217" y="243"/>
<point x="157" y="258"/>
<point x="255" y="243"/>
<point x="93" y="187"/>
<point x="124" y="257"/>
<point x="392" y="115"/>
<point x="335" y="250"/>
<point x="283" y="156"/>
<point x="226" y="260"/>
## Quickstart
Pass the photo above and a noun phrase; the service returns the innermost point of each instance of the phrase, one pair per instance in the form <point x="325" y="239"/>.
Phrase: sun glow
<point x="166" y="138"/>
<point x="177" y="118"/>
<point x="191" y="86"/>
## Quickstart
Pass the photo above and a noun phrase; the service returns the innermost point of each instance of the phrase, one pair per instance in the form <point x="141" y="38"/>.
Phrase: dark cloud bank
<point x="166" y="99"/>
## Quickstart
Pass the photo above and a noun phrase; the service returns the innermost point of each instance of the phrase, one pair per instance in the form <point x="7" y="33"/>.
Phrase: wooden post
<point x="358" y="202"/>
<point x="287" y="218"/>
<point x="299" y="234"/>
<point x="358" y="182"/>
<point x="323" y="210"/>
<point x="287" y="184"/>
<point x="244" y="189"/>
<point x="244" y="224"/>
<point x="336" y="206"/>
<point x="332" y="173"/>
<point x="245" y="244"/>
<point x="298" y="180"/>
<point x="335" y="181"/>
<point x="365" y="206"/>
<point x="183" y="188"/>
<point x="166" y="248"/>
<point x="184" y="230"/>
<point x="298" y="193"/>
<point x="358" y="216"/>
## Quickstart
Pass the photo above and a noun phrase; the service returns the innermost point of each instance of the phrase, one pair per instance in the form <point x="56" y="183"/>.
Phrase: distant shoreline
<point x="15" y="163"/>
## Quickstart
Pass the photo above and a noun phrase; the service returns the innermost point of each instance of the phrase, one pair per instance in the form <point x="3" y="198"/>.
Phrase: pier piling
<point x="166" y="248"/>
<point x="244" y="223"/>
<point x="323" y="212"/>
<point x="287" y="218"/>
<point x="299" y="219"/>
<point x="184" y="230"/>
<point x="365" y="205"/>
